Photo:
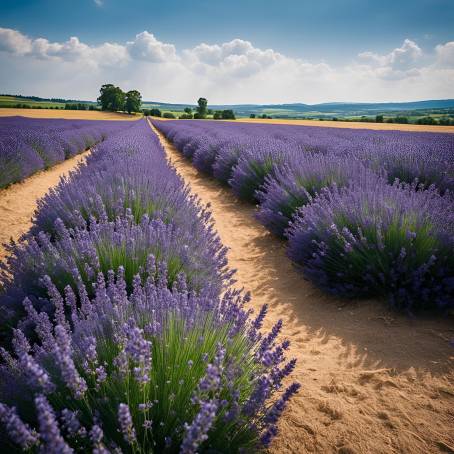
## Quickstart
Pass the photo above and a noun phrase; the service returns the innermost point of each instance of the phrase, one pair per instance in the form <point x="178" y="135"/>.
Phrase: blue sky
<point x="321" y="51"/>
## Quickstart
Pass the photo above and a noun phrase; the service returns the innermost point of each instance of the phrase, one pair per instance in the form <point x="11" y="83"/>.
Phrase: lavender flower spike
<point x="18" y="431"/>
<point x="53" y="442"/>
<point x="126" y="424"/>
<point x="196" y="432"/>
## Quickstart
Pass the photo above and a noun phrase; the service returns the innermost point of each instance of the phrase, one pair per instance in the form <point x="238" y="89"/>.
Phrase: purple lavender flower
<point x="63" y="353"/>
<point x="196" y="432"/>
<point x="29" y="144"/>
<point x="126" y="424"/>
<point x="17" y="430"/>
<point x="49" y="431"/>
<point x="350" y="242"/>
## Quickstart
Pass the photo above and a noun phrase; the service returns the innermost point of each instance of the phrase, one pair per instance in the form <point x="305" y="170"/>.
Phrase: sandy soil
<point x="372" y="381"/>
<point x="68" y="114"/>
<point x="353" y="125"/>
<point x="18" y="201"/>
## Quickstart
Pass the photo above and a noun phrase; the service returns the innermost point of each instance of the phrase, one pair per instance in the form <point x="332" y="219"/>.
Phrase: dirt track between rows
<point x="373" y="381"/>
<point x="18" y="201"/>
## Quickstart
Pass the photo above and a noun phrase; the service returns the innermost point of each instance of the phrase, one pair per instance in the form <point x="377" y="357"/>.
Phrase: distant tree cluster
<point x="38" y="99"/>
<point x="114" y="99"/>
<point x="187" y="115"/>
<point x="227" y="114"/>
<point x="152" y="112"/>
<point x="80" y="106"/>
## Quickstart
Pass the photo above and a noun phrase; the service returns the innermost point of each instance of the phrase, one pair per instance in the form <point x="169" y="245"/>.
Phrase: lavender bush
<point x="301" y="178"/>
<point x="427" y="157"/>
<point x="284" y="167"/>
<point x="119" y="339"/>
<point x="373" y="239"/>
<point x="28" y="145"/>
<point x="254" y="165"/>
<point x="159" y="371"/>
<point x="106" y="189"/>
<point x="79" y="255"/>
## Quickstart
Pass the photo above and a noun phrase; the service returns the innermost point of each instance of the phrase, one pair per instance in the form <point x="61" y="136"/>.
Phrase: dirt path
<point x="18" y="201"/>
<point x="372" y="381"/>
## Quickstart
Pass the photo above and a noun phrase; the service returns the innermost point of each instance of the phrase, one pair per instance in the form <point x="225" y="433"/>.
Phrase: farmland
<point x="66" y="114"/>
<point x="126" y="239"/>
<point x="175" y="260"/>
<point x="364" y="368"/>
<point x="352" y="124"/>
<point x="30" y="145"/>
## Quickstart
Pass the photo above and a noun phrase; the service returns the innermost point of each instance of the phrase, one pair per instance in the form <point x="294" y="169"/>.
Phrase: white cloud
<point x="232" y="72"/>
<point x="14" y="42"/>
<point x="445" y="55"/>
<point x="400" y="63"/>
<point x="146" y="47"/>
<point x="237" y="58"/>
<point x="99" y="2"/>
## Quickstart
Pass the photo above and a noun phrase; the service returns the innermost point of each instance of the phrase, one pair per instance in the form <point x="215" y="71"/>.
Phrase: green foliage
<point x="168" y="115"/>
<point x="252" y="116"/>
<point x="228" y="114"/>
<point x="401" y="120"/>
<point x="202" y="108"/>
<point x="133" y="101"/>
<point x="379" y="119"/>
<point x="155" y="113"/>
<point x="78" y="106"/>
<point x="185" y="116"/>
<point x="426" y="121"/>
<point x="111" y="98"/>
<point x="188" y="110"/>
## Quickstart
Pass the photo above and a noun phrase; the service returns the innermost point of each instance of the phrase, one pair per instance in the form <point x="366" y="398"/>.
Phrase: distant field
<point x="353" y="125"/>
<point x="12" y="101"/>
<point x="68" y="114"/>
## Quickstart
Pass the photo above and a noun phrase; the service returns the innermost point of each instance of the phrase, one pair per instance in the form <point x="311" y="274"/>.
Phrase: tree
<point x="188" y="110"/>
<point x="202" y="108"/>
<point x="402" y="120"/>
<point x="133" y="101"/>
<point x="379" y="118"/>
<point x="252" y="116"/>
<point x="228" y="114"/>
<point x="217" y="115"/>
<point x="168" y="115"/>
<point x="154" y="112"/>
<point x="111" y="98"/>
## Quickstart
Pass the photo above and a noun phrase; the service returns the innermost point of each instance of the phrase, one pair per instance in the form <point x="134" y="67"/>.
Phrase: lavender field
<point x="366" y="213"/>
<point x="28" y="145"/>
<point x="119" y="328"/>
<point x="122" y="328"/>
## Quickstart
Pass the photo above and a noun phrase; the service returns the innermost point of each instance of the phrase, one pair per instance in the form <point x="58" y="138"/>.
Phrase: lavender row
<point x="28" y="145"/>
<point x="367" y="213"/>
<point x="125" y="335"/>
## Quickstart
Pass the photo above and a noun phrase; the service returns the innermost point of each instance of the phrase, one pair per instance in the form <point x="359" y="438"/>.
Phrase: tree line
<point x="114" y="99"/>
<point x="201" y="112"/>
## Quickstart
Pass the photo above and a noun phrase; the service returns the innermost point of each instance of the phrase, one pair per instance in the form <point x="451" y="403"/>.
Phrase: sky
<point x="231" y="52"/>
